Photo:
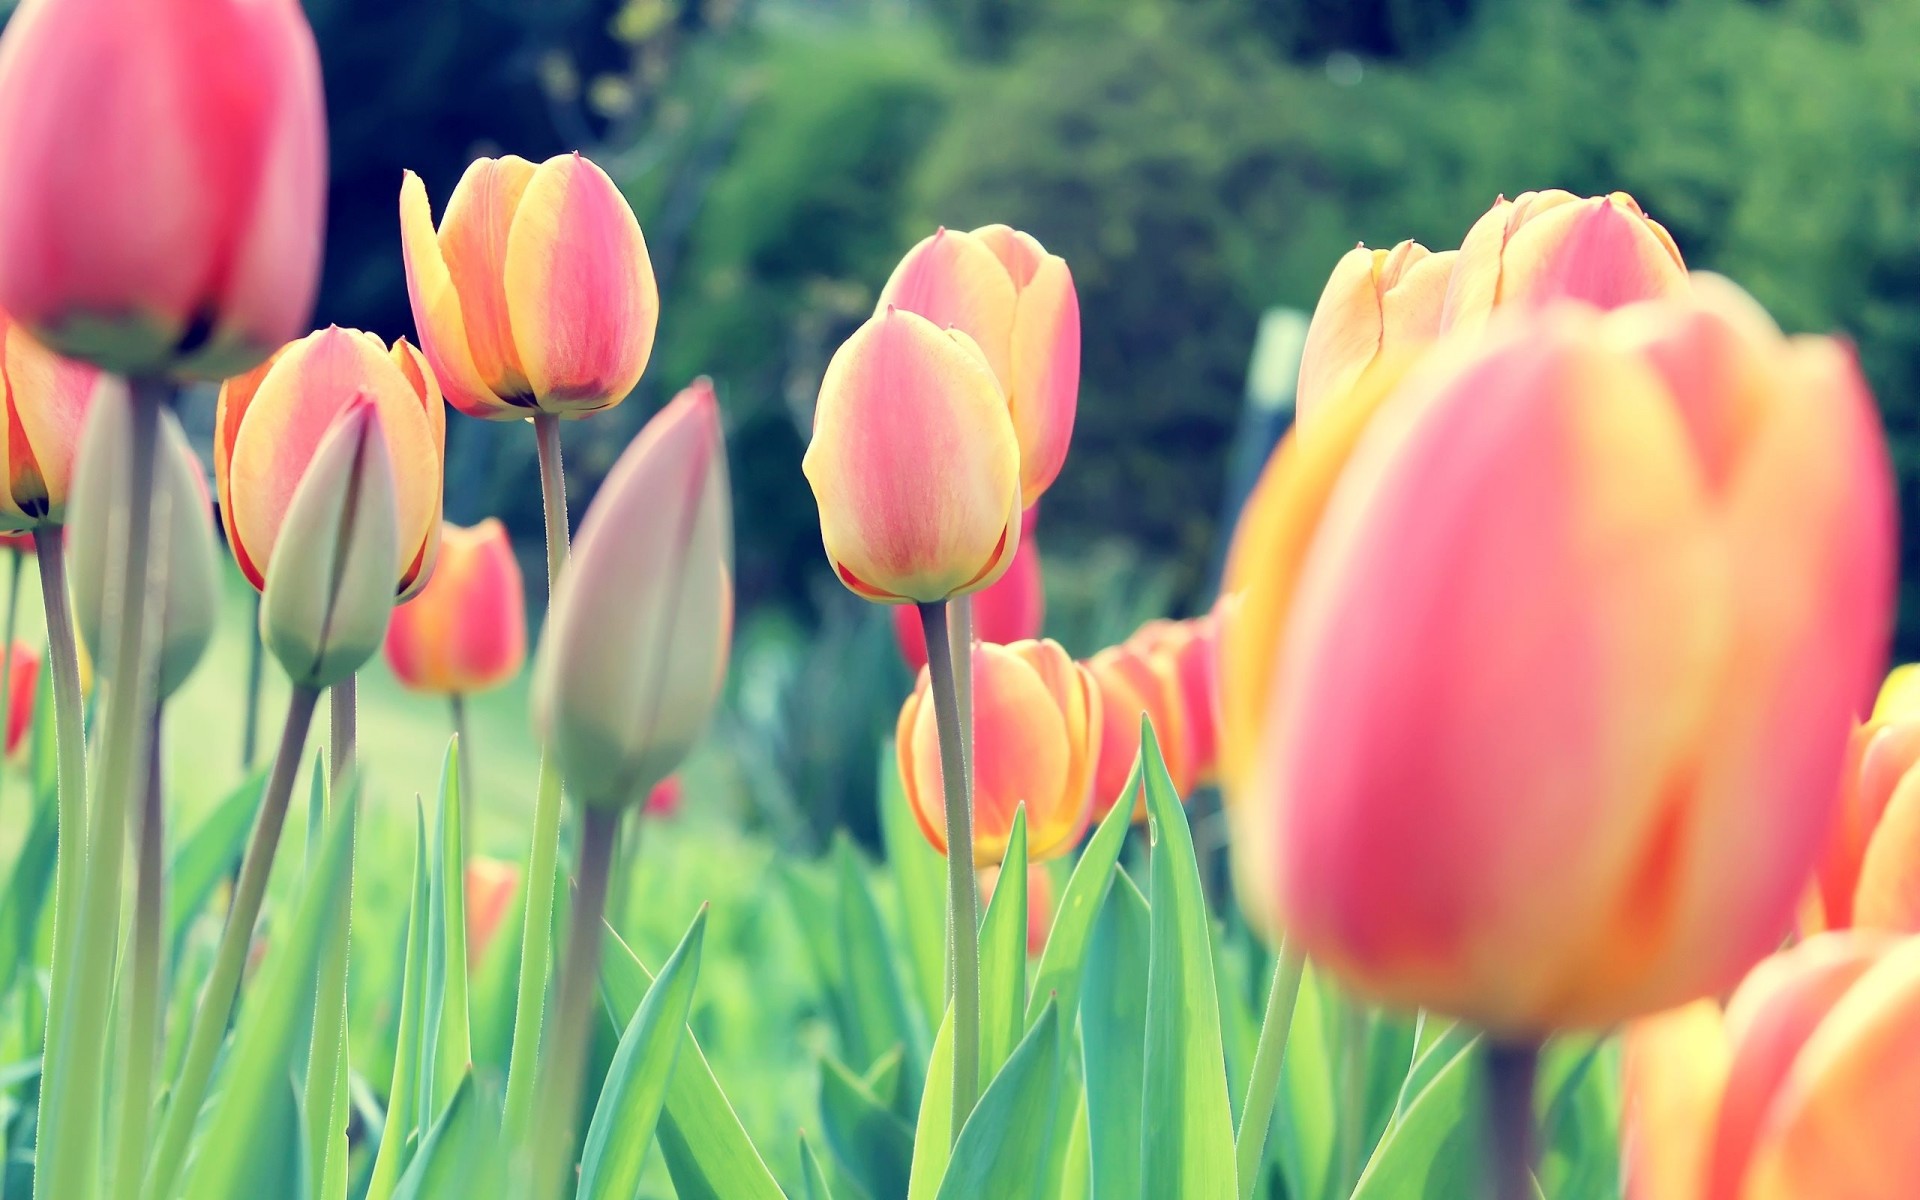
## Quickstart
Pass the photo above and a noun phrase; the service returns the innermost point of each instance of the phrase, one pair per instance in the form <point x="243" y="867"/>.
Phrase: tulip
<point x="1803" y="1087"/>
<point x="1134" y="682"/>
<point x="46" y="407"/>
<point x="536" y="294"/>
<point x="1036" y="728"/>
<point x="491" y="887"/>
<point x="914" y="463"/>
<point x="1541" y="246"/>
<point x="1586" y="594"/>
<point x="23" y="681"/>
<point x="635" y="649"/>
<point x="1010" y="610"/>
<point x="1869" y="873"/>
<point x="168" y="161"/>
<point x="1376" y="302"/>
<point x="664" y="800"/>
<point x="1039" y="903"/>
<point x="467" y="629"/>
<point x="1017" y="302"/>
<point x="1185" y="652"/>
<point x="270" y="424"/>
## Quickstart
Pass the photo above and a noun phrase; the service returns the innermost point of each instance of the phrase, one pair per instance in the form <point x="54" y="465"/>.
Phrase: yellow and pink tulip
<point x="1869" y="873"/>
<point x="1376" y="302"/>
<point x="1134" y="681"/>
<point x="22" y="684"/>
<point x="1010" y="610"/>
<point x="47" y="398"/>
<point x="466" y="631"/>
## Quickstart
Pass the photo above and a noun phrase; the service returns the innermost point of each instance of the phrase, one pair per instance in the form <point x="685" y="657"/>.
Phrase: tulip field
<point x="1531" y="811"/>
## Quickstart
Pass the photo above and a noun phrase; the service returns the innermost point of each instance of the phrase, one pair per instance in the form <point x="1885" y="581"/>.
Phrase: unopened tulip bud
<point x="1036" y="730"/>
<point x="1869" y="873"/>
<point x="329" y="586"/>
<point x="186" y="554"/>
<point x="467" y="630"/>
<point x="635" y="648"/>
<point x="1010" y="610"/>
<point x="914" y="463"/>
<point x="167" y="179"/>
<point x="1376" y="302"/>
<point x="46" y="399"/>
<point x="536" y="294"/>
<point x="22" y="684"/>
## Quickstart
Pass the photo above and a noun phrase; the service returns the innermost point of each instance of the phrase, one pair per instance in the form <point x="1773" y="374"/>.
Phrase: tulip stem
<point x="563" y="1062"/>
<point x="69" y="1159"/>
<point x="230" y="960"/>
<point x="1256" y="1114"/>
<point x="963" y="905"/>
<point x="536" y="947"/>
<point x="960" y="645"/>
<point x="343" y="712"/>
<point x="256" y="657"/>
<point x="143" y="1012"/>
<point x="1512" y="1150"/>
<point x="463" y="761"/>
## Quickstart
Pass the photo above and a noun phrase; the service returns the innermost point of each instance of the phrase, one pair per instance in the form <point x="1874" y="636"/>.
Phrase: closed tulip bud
<point x="1009" y="610"/>
<point x="1586" y="594"/>
<point x="635" y="648"/>
<point x="467" y="629"/>
<point x="1869" y="873"/>
<point x="329" y="586"/>
<point x="1376" y="302"/>
<point x="1801" y="1088"/>
<point x="914" y="464"/>
<point x="46" y="400"/>
<point x="271" y="421"/>
<point x="1542" y="246"/>
<point x="186" y="554"/>
<point x="1134" y="681"/>
<point x="23" y="682"/>
<point x="491" y="886"/>
<point x="1036" y="730"/>
<point x="1017" y="302"/>
<point x="536" y="294"/>
<point x="168" y="174"/>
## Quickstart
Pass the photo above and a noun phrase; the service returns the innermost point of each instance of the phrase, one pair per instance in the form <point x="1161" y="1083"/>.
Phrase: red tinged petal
<point x="466" y="631"/>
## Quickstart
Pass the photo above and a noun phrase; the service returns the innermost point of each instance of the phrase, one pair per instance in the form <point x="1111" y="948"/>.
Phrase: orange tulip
<point x="1376" y="302"/>
<point x="23" y="682"/>
<point x="914" y="464"/>
<point x="168" y="161"/>
<point x="1541" y="246"/>
<point x="271" y="421"/>
<point x="1036" y="728"/>
<point x="1134" y="681"/>
<point x="1017" y="302"/>
<point x="1010" y="610"/>
<point x="467" y="629"/>
<point x="491" y="887"/>
<point x="1805" y="1086"/>
<point x="1869" y="874"/>
<point x="47" y="398"/>
<point x="1039" y="903"/>
<point x="1521" y="659"/>
<point x="536" y="293"/>
<point x="1184" y="652"/>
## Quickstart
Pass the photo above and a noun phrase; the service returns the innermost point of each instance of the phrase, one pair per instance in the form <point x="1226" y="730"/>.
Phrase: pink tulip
<point x="1009" y="610"/>
<point x="1376" y="302"/>
<point x="46" y="399"/>
<point x="467" y="629"/>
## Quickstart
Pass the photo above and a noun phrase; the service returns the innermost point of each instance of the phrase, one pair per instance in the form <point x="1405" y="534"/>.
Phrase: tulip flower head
<point x="271" y="421"/>
<point x="1009" y="610"/>
<point x="46" y="408"/>
<point x="1585" y="594"/>
<point x="1869" y="873"/>
<point x="536" y="293"/>
<point x="1376" y="302"/>
<point x="467" y="629"/>
<point x="1801" y="1088"/>
<point x="23" y="683"/>
<point x="1036" y="728"/>
<point x="635" y="648"/>
<point x="491" y="887"/>
<point x="914" y="463"/>
<point x="1017" y="302"/>
<point x="168" y="168"/>
<point x="1135" y="681"/>
<point x="1184" y="652"/>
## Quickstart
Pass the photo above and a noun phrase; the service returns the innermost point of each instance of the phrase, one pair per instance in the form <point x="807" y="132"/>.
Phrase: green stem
<point x="464" y="761"/>
<point x="960" y="645"/>
<point x="69" y="1159"/>
<point x="143" y="1008"/>
<point x="230" y="959"/>
<point x="536" y="946"/>
<point x="565" y="1056"/>
<point x="343" y="712"/>
<point x="963" y="905"/>
<point x="1256" y="1113"/>
<point x="1512" y="1149"/>
<point x="256" y="655"/>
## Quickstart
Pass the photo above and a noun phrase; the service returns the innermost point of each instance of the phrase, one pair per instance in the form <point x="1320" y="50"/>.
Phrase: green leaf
<point x="403" y="1096"/>
<point x="931" y="1145"/>
<point x="883" y="1077"/>
<point x="253" y="1130"/>
<point x="1113" y="1029"/>
<point x="325" y="1108"/>
<point x="1003" y="956"/>
<point x="919" y="881"/>
<point x="871" y="1141"/>
<point x="1187" y="1120"/>
<point x="1003" y="1149"/>
<point x="1433" y="1149"/>
<point x="1073" y="1161"/>
<point x="813" y="1180"/>
<point x="208" y="855"/>
<point x="707" y="1151"/>
<point x="1303" y="1133"/>
<point x="25" y="899"/>
<point x="872" y="998"/>
<point x="636" y="1085"/>
<point x="1058" y="973"/>
<point x="450" y="1155"/>
<point x="446" y="1047"/>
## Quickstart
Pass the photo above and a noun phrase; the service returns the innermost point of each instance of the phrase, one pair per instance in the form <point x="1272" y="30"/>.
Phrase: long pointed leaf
<point x="919" y="886"/>
<point x="931" y="1147"/>
<point x="1002" y="1150"/>
<point x="1003" y="956"/>
<point x="1059" y="971"/>
<point x="868" y="1138"/>
<point x="1113" y="1028"/>
<point x="448" y="1052"/>
<point x="207" y="856"/>
<point x="403" y="1114"/>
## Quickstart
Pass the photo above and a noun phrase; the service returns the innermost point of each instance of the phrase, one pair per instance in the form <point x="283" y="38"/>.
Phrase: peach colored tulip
<point x="635" y="648"/>
<point x="1587" y="593"/>
<point x="47" y="398"/>
<point x="1133" y="681"/>
<point x="1002" y="289"/>
<point x="1010" y="610"/>
<point x="1376" y="302"/>
<point x="168" y="167"/>
<point x="491" y="887"/>
<point x="536" y="293"/>
<point x="1039" y="903"/>
<point x="1804" y="1087"/>
<point x="23" y="682"/>
<point x="1869" y="875"/>
<point x="271" y="421"/>
<point x="1036" y="729"/>
<point x="914" y="464"/>
<point x="1186" y="652"/>
<point x="1548" y="245"/>
<point x="664" y="800"/>
<point x="467" y="629"/>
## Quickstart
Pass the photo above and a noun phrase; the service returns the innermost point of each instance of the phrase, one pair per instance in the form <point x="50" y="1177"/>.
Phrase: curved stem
<point x="1256" y="1113"/>
<point x="1512" y="1151"/>
<point x="223" y="983"/>
<point x="963" y="905"/>
<point x="143" y="1008"/>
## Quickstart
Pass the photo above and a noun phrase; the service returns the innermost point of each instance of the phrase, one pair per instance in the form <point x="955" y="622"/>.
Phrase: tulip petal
<point x="1046" y="374"/>
<point x="48" y="398"/>
<point x="475" y="242"/>
<point x="1475" y="286"/>
<point x="438" y="319"/>
<point x="1603" y="251"/>
<point x="466" y="631"/>
<point x="1673" y="1068"/>
<point x="954" y="279"/>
